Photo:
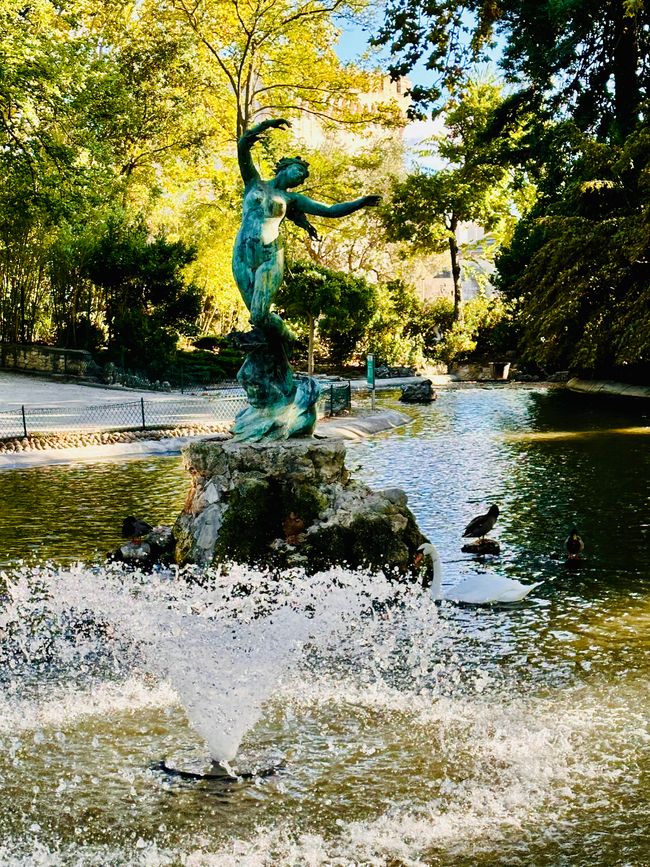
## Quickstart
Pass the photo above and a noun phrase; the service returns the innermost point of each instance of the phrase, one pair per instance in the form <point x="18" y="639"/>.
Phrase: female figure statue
<point x="280" y="407"/>
<point x="258" y="258"/>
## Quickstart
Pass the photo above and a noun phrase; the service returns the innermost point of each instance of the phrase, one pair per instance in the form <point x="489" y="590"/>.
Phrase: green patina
<point x="280" y="406"/>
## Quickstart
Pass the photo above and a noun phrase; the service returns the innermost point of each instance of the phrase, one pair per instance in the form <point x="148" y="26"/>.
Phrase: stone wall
<point x="45" y="359"/>
<point x="480" y="372"/>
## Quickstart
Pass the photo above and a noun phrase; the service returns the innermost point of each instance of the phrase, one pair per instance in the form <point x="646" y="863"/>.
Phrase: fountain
<point x="273" y="495"/>
<point x="225" y="638"/>
<point x="411" y="733"/>
<point x="225" y="646"/>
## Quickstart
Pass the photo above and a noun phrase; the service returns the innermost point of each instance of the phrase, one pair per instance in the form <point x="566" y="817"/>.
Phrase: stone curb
<point x="356" y="428"/>
<point x="608" y="387"/>
<point x="73" y="439"/>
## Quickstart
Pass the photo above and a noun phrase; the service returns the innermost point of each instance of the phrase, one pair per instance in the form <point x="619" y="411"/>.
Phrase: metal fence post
<point x="144" y="424"/>
<point x="24" y="421"/>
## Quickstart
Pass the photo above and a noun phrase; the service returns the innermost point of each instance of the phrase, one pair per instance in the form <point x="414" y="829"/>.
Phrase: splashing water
<point x="375" y="693"/>
<point x="224" y="647"/>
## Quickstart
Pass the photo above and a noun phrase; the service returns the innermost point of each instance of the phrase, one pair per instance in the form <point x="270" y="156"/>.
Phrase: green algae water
<point x="433" y="735"/>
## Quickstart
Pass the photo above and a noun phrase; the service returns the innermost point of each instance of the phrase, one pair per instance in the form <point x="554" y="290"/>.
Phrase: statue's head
<point x="291" y="172"/>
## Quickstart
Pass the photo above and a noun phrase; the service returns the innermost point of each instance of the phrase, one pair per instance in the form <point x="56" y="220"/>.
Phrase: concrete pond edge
<point x="166" y="442"/>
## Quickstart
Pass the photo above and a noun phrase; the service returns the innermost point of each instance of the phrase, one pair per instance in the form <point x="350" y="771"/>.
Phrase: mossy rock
<point x="286" y="504"/>
<point x="249" y="524"/>
<point x="306" y="501"/>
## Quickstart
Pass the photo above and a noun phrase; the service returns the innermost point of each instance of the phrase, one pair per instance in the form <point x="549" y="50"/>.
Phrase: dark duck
<point x="479" y="527"/>
<point x="134" y="529"/>
<point x="574" y="545"/>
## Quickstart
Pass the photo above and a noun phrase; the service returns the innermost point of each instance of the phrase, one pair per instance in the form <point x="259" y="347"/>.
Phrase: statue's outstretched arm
<point x="246" y="165"/>
<point x="309" y="206"/>
<point x="298" y="217"/>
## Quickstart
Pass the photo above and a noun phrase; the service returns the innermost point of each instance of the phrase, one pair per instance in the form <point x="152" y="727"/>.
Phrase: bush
<point x="81" y="334"/>
<point x="487" y="328"/>
<point x="210" y="342"/>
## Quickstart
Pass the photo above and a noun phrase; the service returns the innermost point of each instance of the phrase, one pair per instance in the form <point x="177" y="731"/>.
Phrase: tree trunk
<point x="310" y="347"/>
<point x="626" y="81"/>
<point x="455" y="267"/>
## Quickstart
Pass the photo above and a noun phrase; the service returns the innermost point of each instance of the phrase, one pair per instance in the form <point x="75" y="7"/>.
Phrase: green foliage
<point x="395" y="334"/>
<point x="148" y="305"/>
<point x="199" y="366"/>
<point x="485" y="331"/>
<point x="341" y="306"/>
<point x="578" y="269"/>
<point x="427" y="207"/>
<point x="588" y="59"/>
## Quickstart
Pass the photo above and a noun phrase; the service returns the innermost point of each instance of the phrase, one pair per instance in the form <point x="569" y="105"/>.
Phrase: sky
<point x="353" y="45"/>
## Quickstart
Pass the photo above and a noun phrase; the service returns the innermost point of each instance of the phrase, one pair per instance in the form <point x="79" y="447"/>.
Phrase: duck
<point x="574" y="545"/>
<point x="480" y="526"/>
<point x="477" y="590"/>
<point x="134" y="529"/>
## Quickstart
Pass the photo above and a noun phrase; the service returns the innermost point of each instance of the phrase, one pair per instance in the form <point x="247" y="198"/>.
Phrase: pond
<point x="512" y="735"/>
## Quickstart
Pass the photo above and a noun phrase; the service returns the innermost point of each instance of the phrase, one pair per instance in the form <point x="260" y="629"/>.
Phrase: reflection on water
<point x="523" y="740"/>
<point x="69" y="512"/>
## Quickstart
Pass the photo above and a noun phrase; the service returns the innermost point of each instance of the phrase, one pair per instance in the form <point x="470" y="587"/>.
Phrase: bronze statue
<point x="280" y="407"/>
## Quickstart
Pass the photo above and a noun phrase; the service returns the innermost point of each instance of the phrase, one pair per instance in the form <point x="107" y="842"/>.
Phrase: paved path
<point x="18" y="390"/>
<point x="50" y="407"/>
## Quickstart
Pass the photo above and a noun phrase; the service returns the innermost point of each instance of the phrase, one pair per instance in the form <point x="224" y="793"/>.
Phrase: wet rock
<point x="525" y="377"/>
<point x="290" y="503"/>
<point x="482" y="546"/>
<point x="418" y="392"/>
<point x="383" y="371"/>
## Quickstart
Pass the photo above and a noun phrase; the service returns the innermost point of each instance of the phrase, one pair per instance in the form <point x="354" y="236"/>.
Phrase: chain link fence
<point x="219" y="405"/>
<point x="135" y="415"/>
<point x="336" y="397"/>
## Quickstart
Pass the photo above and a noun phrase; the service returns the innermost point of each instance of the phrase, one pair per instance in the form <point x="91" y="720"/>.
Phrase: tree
<point x="276" y="58"/>
<point x="336" y="305"/>
<point x="577" y="267"/>
<point x="427" y="207"/>
<point x="142" y="95"/>
<point x="589" y="59"/>
<point x="44" y="181"/>
<point x="148" y="305"/>
<point x="81" y="117"/>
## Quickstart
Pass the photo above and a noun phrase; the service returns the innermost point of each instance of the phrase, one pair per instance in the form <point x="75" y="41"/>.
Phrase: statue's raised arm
<point x="246" y="165"/>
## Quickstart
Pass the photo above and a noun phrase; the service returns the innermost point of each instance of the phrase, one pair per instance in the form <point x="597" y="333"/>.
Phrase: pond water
<point x="480" y="736"/>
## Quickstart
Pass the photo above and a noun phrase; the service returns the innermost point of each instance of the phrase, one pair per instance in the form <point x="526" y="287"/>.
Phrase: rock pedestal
<point x="290" y="503"/>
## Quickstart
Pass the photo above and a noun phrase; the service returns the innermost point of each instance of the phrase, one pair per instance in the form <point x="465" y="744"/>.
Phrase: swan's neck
<point x="436" y="584"/>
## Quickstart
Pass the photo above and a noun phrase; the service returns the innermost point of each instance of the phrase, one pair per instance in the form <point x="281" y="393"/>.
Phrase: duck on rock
<point x="479" y="527"/>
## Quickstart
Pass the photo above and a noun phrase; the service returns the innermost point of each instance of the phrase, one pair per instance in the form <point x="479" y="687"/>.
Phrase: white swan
<point x="477" y="590"/>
